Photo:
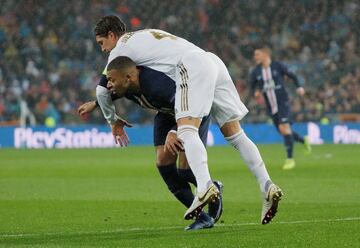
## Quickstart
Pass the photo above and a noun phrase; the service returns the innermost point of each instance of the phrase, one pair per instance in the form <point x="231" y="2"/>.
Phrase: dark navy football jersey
<point x="157" y="91"/>
<point x="271" y="82"/>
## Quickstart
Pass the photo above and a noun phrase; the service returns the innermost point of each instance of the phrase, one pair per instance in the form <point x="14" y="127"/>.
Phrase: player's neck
<point x="134" y="88"/>
<point x="266" y="63"/>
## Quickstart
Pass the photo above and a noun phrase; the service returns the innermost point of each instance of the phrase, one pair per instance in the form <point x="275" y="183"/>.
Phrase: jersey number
<point x="159" y="35"/>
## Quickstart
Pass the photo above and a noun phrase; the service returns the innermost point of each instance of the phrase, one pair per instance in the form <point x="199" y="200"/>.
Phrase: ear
<point x="132" y="73"/>
<point x="111" y="35"/>
<point x="129" y="78"/>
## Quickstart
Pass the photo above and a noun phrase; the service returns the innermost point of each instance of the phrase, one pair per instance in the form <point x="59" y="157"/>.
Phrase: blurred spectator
<point x="50" y="61"/>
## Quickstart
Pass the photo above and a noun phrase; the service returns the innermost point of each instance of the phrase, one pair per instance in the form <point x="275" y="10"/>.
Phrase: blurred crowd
<point x="50" y="63"/>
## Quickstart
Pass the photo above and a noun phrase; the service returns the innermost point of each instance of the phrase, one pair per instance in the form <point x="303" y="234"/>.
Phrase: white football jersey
<point x="153" y="48"/>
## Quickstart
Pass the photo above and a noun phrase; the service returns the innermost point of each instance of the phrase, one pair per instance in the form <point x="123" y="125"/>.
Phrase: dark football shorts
<point x="163" y="123"/>
<point x="283" y="114"/>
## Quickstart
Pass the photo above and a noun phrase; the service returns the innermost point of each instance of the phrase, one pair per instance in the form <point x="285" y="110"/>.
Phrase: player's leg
<point x="183" y="166"/>
<point x="195" y="84"/>
<point x="202" y="221"/>
<point x="283" y="117"/>
<point x="285" y="131"/>
<point x="197" y="158"/>
<point x="303" y="140"/>
<point x="184" y="169"/>
<point x="282" y="120"/>
<point x="236" y="136"/>
<point x="227" y="110"/>
<point x="298" y="138"/>
<point x="215" y="208"/>
<point x="166" y="162"/>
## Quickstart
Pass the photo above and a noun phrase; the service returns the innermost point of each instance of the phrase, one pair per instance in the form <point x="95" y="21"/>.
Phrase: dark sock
<point x="289" y="144"/>
<point x="187" y="175"/>
<point x="176" y="184"/>
<point x="297" y="137"/>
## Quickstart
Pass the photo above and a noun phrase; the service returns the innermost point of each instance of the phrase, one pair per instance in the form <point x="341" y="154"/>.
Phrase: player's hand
<point x="173" y="144"/>
<point x="118" y="131"/>
<point x="300" y="91"/>
<point x="87" y="107"/>
<point x="257" y="94"/>
<point x="123" y="121"/>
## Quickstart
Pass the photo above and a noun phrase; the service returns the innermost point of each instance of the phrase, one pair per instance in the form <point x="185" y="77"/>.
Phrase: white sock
<point x="196" y="155"/>
<point x="251" y="156"/>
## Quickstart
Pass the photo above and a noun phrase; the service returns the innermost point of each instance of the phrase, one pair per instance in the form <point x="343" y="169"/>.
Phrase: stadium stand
<point x="50" y="63"/>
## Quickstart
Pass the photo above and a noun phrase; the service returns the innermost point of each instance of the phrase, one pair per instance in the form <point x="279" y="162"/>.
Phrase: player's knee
<point x="183" y="163"/>
<point x="164" y="157"/>
<point x="165" y="160"/>
<point x="186" y="132"/>
<point x="230" y="128"/>
<point x="284" y="129"/>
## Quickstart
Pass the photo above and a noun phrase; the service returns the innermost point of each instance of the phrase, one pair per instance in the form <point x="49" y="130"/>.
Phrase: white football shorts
<point x="203" y="84"/>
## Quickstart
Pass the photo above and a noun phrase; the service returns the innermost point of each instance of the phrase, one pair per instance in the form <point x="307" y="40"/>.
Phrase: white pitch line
<point x="139" y="229"/>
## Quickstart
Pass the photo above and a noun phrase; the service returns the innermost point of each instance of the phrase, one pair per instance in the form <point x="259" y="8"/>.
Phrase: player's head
<point x="123" y="76"/>
<point x="262" y="54"/>
<point x="107" y="32"/>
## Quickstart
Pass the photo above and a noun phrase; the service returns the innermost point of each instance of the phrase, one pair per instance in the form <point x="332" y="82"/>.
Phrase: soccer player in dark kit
<point x="268" y="79"/>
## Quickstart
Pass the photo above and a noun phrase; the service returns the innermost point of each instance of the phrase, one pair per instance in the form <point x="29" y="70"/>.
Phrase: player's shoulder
<point x="276" y="63"/>
<point x="142" y="34"/>
<point x="129" y="35"/>
<point x="256" y="70"/>
<point x="279" y="65"/>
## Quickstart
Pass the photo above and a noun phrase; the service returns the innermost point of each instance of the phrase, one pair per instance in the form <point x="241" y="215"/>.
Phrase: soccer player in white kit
<point x="202" y="84"/>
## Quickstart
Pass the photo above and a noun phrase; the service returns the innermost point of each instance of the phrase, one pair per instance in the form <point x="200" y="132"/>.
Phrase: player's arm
<point x="105" y="101"/>
<point x="254" y="85"/>
<point x="299" y="88"/>
<point x="90" y="106"/>
<point x="103" y="95"/>
<point x="87" y="107"/>
<point x="105" y="98"/>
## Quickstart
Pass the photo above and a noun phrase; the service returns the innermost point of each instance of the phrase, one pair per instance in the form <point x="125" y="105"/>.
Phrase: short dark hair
<point x="120" y="63"/>
<point x="109" y="23"/>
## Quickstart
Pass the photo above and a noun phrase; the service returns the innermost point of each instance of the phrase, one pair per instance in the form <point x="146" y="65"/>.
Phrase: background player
<point x="268" y="78"/>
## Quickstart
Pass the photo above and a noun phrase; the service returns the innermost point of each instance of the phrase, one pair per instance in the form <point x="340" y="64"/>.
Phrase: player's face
<point x="118" y="82"/>
<point x="259" y="56"/>
<point x="106" y="43"/>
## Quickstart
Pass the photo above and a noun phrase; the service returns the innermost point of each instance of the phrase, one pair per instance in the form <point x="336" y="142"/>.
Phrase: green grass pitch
<point x="116" y="198"/>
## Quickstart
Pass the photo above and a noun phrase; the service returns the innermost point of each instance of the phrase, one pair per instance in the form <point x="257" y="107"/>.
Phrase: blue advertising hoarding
<point x="92" y="136"/>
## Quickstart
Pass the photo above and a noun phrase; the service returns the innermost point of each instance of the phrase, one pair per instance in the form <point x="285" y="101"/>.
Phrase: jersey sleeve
<point x="253" y="81"/>
<point x="290" y="74"/>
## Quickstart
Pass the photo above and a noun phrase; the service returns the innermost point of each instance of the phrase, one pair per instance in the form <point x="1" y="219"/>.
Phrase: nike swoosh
<point x="203" y="197"/>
